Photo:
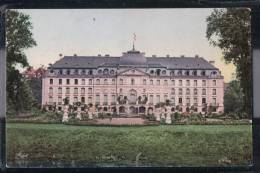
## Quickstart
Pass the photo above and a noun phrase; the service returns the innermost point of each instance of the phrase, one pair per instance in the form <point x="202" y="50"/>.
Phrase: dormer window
<point x="187" y="72"/>
<point x="203" y="73"/>
<point x="179" y="72"/>
<point x="90" y="72"/>
<point x="76" y="71"/>
<point x="68" y="72"/>
<point x="60" y="71"/>
<point x="172" y="73"/>
<point x="83" y="72"/>
<point x="105" y="71"/>
<point x="100" y="71"/>
<point x="158" y="72"/>
<point x="51" y="71"/>
<point x="194" y="73"/>
<point x="164" y="72"/>
<point x="152" y="72"/>
<point x="112" y="71"/>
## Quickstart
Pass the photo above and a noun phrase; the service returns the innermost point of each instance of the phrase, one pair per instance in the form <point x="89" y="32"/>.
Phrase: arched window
<point x="98" y="82"/>
<point x="51" y="81"/>
<point x="105" y="82"/>
<point x="76" y="81"/>
<point x="173" y="82"/>
<point x="90" y="81"/>
<point x="82" y="90"/>
<point x="82" y="81"/>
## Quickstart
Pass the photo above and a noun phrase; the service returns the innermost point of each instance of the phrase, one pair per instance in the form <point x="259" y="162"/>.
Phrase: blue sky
<point x="97" y="31"/>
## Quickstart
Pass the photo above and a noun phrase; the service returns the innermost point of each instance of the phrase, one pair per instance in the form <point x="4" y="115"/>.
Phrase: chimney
<point x="182" y="56"/>
<point x="168" y="56"/>
<point x="212" y="62"/>
<point x="75" y="54"/>
<point x="60" y="54"/>
<point x="196" y="56"/>
<point x="107" y="55"/>
<point x="99" y="54"/>
<point x="154" y="56"/>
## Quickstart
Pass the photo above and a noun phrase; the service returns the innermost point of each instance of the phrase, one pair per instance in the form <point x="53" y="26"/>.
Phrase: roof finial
<point x="134" y="39"/>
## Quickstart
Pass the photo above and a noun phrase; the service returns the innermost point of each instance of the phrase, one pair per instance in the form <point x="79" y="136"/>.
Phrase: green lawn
<point x="183" y="145"/>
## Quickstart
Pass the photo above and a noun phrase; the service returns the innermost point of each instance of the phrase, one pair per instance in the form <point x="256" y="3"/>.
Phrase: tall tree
<point x="229" y="29"/>
<point x="18" y="38"/>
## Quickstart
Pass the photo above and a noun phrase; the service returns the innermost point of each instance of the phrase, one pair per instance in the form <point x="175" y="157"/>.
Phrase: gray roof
<point x="133" y="58"/>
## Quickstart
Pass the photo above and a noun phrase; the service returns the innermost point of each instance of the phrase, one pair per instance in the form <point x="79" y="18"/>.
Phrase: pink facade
<point x="181" y="85"/>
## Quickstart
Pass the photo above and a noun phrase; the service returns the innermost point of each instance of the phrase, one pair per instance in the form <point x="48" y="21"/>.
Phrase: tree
<point x="18" y="38"/>
<point x="233" y="98"/>
<point x="229" y="29"/>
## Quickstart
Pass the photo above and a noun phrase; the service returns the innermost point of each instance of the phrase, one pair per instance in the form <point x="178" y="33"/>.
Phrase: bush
<point x="176" y="116"/>
<point x="195" y="117"/>
<point x="151" y="117"/>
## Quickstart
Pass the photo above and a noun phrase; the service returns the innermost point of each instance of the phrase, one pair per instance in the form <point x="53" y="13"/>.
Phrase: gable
<point x="133" y="72"/>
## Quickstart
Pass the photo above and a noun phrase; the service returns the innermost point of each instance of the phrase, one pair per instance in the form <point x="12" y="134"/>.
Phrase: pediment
<point x="133" y="72"/>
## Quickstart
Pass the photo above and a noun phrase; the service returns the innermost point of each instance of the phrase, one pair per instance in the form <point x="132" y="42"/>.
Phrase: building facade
<point x="135" y="84"/>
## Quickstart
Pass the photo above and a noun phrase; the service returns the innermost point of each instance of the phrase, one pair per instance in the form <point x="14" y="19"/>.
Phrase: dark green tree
<point x="18" y="38"/>
<point x="229" y="29"/>
<point x="233" y="98"/>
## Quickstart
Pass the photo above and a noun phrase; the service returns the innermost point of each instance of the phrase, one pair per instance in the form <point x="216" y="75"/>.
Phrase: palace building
<point x="135" y="84"/>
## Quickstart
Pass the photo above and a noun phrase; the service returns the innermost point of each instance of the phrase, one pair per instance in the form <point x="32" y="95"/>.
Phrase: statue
<point x="65" y="117"/>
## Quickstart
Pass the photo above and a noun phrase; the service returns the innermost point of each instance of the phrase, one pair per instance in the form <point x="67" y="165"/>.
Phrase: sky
<point x="87" y="32"/>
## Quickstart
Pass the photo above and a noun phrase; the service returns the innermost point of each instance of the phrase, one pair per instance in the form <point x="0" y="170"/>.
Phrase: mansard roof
<point x="133" y="58"/>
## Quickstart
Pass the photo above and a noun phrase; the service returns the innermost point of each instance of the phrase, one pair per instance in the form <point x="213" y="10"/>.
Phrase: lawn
<point x="165" y="145"/>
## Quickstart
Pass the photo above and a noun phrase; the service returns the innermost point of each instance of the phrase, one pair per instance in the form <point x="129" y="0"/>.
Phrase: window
<point x="113" y="81"/>
<point x="90" y="72"/>
<point x="75" y="99"/>
<point x="82" y="91"/>
<point x="152" y="72"/>
<point x="120" y="90"/>
<point x="59" y="90"/>
<point x="187" y="91"/>
<point x="203" y="73"/>
<point x="76" y="71"/>
<point x="59" y="100"/>
<point x="214" y="83"/>
<point x="165" y="82"/>
<point x="68" y="72"/>
<point x="151" y="99"/>
<point x="89" y="99"/>
<point x="179" y="72"/>
<point x="105" y="99"/>
<point x="100" y="71"/>
<point x="121" y="81"/>
<point x="172" y="91"/>
<point x="194" y="73"/>
<point x="195" y="91"/>
<point x="158" y="82"/>
<point x="76" y="81"/>
<point x="203" y="91"/>
<point x="67" y="90"/>
<point x="68" y="81"/>
<point x="172" y="73"/>
<point x="50" y="90"/>
<point x="90" y="81"/>
<point x="82" y="81"/>
<point x="180" y="82"/>
<point x="98" y="82"/>
<point x="180" y="91"/>
<point x="188" y="101"/>
<point x="113" y="98"/>
<point x="214" y="92"/>
<point x="165" y="98"/>
<point x="195" y="101"/>
<point x="173" y="82"/>
<point x="51" y="81"/>
<point x="214" y="101"/>
<point x="112" y="71"/>
<point x="151" y="82"/>
<point x="97" y="98"/>
<point x="187" y="72"/>
<point x="132" y="81"/>
<point x="144" y="81"/>
<point x="105" y="71"/>
<point x="203" y="82"/>
<point x="158" y="99"/>
<point x="105" y="82"/>
<point x="180" y="100"/>
<point x="187" y="82"/>
<point x="90" y="90"/>
<point x="50" y="99"/>
<point x="195" y="83"/>
<point x="164" y="72"/>
<point x="173" y="100"/>
<point x="75" y="90"/>
<point x="203" y="100"/>
<point x="83" y="72"/>
<point x="82" y="100"/>
<point x="60" y="81"/>
<point x="60" y="71"/>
